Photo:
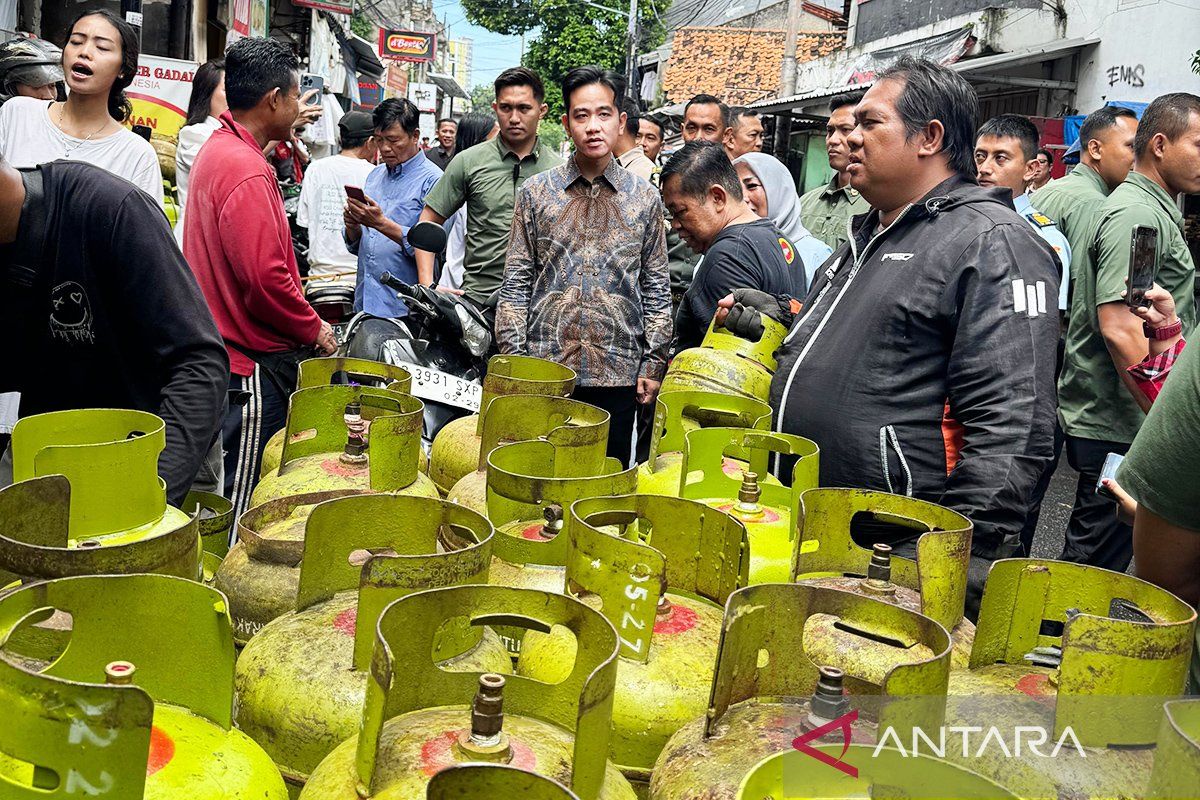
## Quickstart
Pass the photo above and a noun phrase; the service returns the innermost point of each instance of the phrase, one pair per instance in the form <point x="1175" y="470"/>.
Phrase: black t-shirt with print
<point x="753" y="255"/>
<point x="98" y="309"/>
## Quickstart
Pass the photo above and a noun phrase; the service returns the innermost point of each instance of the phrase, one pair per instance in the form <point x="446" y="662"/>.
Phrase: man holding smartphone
<point x="378" y="218"/>
<point x="1099" y="412"/>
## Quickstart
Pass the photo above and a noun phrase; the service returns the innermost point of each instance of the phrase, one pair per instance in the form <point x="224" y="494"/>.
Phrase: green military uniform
<point x="681" y="263"/>
<point x="1093" y="402"/>
<point x="826" y="211"/>
<point x="1161" y="470"/>
<point x="486" y="178"/>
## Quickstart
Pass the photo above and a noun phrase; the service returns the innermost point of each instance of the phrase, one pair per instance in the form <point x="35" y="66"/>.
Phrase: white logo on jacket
<point x="896" y="256"/>
<point x="1029" y="299"/>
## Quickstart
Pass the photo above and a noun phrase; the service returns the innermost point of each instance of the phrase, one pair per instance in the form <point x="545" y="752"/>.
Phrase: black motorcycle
<point x="444" y="342"/>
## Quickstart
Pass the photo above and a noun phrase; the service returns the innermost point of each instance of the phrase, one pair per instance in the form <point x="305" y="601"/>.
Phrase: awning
<point x="362" y="53"/>
<point x="449" y="85"/>
<point x="974" y="69"/>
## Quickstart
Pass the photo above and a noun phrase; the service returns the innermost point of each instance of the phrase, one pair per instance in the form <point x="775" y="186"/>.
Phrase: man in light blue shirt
<point x="1006" y="158"/>
<point x="377" y="226"/>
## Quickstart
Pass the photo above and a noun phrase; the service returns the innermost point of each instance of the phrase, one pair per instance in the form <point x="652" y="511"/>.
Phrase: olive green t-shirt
<point x="1161" y="470"/>
<point x="826" y="211"/>
<point x="1093" y="402"/>
<point x="486" y="178"/>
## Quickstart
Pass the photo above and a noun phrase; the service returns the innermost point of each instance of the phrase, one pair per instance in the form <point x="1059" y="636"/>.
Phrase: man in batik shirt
<point x="586" y="281"/>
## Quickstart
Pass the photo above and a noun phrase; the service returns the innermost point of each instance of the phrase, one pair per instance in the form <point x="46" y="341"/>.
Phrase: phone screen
<point x="356" y="193"/>
<point x="1143" y="262"/>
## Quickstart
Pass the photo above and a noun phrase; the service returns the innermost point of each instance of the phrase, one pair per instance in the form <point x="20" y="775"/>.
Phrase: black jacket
<point x="955" y="303"/>
<point x="98" y="309"/>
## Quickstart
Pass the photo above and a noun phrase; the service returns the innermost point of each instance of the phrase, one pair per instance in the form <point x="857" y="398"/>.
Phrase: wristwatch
<point x="1164" y="332"/>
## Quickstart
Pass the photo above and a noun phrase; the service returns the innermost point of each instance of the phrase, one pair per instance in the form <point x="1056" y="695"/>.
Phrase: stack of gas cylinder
<point x="519" y="616"/>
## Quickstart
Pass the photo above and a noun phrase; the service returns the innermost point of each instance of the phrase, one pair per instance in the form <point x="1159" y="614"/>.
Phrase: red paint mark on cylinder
<point x="334" y="466"/>
<point x="733" y="468"/>
<point x="162" y="750"/>
<point x="346" y="621"/>
<point x="1035" y="684"/>
<point x="677" y="620"/>
<point x="438" y="753"/>
<point x="534" y="533"/>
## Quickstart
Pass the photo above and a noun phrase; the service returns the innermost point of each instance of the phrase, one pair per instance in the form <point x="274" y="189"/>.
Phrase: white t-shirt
<point x="28" y="137"/>
<point x="456" y="251"/>
<point x="322" y="200"/>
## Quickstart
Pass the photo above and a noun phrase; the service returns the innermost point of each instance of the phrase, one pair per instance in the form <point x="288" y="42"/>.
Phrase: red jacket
<point x="237" y="241"/>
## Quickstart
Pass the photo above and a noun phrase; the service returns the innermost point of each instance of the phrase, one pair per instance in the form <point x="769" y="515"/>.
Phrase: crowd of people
<point x="956" y="318"/>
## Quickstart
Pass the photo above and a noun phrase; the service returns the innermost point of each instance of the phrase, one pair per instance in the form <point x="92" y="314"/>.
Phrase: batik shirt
<point x="585" y="281"/>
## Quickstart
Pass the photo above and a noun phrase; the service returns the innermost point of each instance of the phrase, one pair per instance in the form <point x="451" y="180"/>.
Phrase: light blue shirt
<point x="1053" y="236"/>
<point x="400" y="191"/>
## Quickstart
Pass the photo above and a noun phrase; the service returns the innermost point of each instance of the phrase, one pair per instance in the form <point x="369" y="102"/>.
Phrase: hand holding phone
<point x="355" y="193"/>
<point x="1143" y="265"/>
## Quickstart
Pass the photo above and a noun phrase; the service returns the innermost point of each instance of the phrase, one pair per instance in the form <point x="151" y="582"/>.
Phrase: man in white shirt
<point x="323" y="196"/>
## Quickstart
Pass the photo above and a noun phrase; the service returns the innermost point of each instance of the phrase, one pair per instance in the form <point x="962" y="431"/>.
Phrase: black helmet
<point x="33" y="62"/>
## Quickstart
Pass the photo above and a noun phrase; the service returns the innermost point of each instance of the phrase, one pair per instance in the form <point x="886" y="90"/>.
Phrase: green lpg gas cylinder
<point x="456" y="448"/>
<point x="38" y="542"/>
<point x="768" y="690"/>
<point x="934" y="583"/>
<point x="333" y="371"/>
<point x="420" y="719"/>
<point x="261" y="574"/>
<point x="1063" y="646"/>
<point x="1177" y="761"/>
<point x="662" y="580"/>
<point x="530" y="485"/>
<point x="768" y="510"/>
<point x="110" y="459"/>
<point x="138" y="705"/>
<point x="349" y="437"/>
<point x="301" y="681"/>
<point x="852" y="771"/>
<point x="564" y="423"/>
<point x="87" y="481"/>
<point x="485" y="781"/>
<point x="677" y="413"/>
<point x="215" y="520"/>
<point x="727" y="363"/>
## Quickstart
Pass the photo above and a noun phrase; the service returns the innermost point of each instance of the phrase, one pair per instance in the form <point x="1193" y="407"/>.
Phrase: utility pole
<point x="787" y="79"/>
<point x="631" y="64"/>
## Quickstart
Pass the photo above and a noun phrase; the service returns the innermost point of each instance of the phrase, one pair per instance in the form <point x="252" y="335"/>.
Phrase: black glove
<point x="749" y="307"/>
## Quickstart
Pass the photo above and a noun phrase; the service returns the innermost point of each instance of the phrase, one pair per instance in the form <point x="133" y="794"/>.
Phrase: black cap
<point x="355" y="124"/>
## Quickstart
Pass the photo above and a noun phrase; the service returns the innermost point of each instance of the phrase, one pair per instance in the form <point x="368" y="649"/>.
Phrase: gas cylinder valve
<point x="119" y="673"/>
<point x="749" y="493"/>
<point x="829" y="700"/>
<point x="553" y="514"/>
<point x="356" y="435"/>
<point x="486" y="739"/>
<point x="879" y="571"/>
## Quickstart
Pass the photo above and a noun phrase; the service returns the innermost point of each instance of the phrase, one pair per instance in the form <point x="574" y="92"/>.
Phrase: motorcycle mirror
<point x="428" y="236"/>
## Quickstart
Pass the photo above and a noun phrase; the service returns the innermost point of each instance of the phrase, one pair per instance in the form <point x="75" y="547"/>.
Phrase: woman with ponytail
<point x="99" y="61"/>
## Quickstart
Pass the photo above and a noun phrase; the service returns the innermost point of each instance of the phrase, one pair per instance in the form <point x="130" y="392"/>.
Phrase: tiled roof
<point x="739" y="65"/>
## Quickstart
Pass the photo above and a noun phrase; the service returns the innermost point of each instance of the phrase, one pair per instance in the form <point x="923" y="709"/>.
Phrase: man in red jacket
<point x="237" y="241"/>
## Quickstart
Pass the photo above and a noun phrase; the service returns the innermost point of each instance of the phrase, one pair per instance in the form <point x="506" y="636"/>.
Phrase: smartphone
<point x="355" y="193"/>
<point x="1143" y="264"/>
<point x="142" y="131"/>
<point x="1108" y="472"/>
<point x="308" y="82"/>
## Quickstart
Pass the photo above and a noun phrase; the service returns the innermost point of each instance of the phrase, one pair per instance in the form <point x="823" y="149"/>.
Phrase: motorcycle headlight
<point x="475" y="337"/>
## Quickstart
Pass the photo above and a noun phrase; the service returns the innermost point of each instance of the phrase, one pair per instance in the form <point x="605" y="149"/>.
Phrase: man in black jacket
<point x="922" y="362"/>
<point x="98" y="309"/>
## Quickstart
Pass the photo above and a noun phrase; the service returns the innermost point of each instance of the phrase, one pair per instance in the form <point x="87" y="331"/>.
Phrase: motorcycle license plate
<point x="442" y="387"/>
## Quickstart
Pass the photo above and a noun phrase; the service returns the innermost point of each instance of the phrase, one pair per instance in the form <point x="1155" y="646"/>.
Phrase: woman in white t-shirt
<point x="205" y="106"/>
<point x="99" y="61"/>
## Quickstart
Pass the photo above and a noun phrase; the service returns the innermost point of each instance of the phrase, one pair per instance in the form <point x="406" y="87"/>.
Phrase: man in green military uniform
<point x="1096" y="393"/>
<point x="826" y="211"/>
<point x="486" y="178"/>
